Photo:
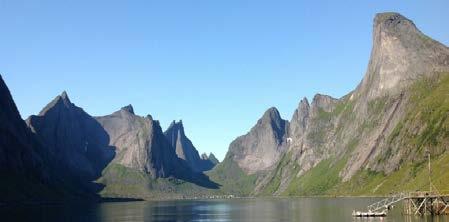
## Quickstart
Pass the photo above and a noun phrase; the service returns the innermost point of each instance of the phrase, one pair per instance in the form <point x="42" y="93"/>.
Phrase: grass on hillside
<point x="232" y="178"/>
<point x="425" y="126"/>
<point x="318" y="180"/>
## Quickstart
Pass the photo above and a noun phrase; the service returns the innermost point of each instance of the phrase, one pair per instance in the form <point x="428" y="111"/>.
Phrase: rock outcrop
<point x="140" y="143"/>
<point x="17" y="147"/>
<point x="401" y="54"/>
<point x="142" y="146"/>
<point x="28" y="170"/>
<point x="397" y="112"/>
<point x="352" y="133"/>
<point x="261" y="148"/>
<point x="339" y="138"/>
<point x="185" y="149"/>
<point x="211" y="158"/>
<point x="73" y="137"/>
<point x="21" y="161"/>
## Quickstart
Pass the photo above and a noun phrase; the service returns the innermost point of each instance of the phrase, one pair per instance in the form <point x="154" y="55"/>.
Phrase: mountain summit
<point x="401" y="54"/>
<point x="73" y="136"/>
<point x="262" y="147"/>
<point x="185" y="149"/>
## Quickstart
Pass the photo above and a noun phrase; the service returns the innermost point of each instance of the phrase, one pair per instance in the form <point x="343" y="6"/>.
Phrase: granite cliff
<point x="186" y="150"/>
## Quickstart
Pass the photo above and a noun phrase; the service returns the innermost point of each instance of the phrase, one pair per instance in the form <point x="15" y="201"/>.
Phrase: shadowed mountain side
<point x="197" y="178"/>
<point x="28" y="170"/>
<point x="185" y="149"/>
<point x="78" y="142"/>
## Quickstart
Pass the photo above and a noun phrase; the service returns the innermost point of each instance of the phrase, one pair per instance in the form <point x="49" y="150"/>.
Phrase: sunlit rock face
<point x="352" y="133"/>
<point x="400" y="55"/>
<point x="140" y="143"/>
<point x="262" y="147"/>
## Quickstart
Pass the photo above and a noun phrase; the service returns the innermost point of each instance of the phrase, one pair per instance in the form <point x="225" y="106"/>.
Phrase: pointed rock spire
<point x="129" y="108"/>
<point x="184" y="147"/>
<point x="64" y="96"/>
<point x="262" y="146"/>
<point x="272" y="114"/>
<point x="60" y="101"/>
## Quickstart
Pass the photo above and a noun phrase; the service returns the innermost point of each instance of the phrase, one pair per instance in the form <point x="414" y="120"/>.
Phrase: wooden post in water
<point x="425" y="203"/>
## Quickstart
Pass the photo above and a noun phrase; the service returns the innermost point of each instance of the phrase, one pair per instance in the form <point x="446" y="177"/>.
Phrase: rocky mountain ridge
<point x="372" y="140"/>
<point x="261" y="148"/>
<point x="185" y="149"/>
<point x="64" y="149"/>
<point x="331" y="142"/>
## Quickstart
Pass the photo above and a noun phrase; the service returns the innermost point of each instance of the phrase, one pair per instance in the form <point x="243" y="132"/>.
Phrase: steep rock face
<point x="185" y="149"/>
<point x="22" y="160"/>
<point x="340" y="138"/>
<point x="262" y="147"/>
<point x="300" y="119"/>
<point x="142" y="147"/>
<point x="140" y="143"/>
<point x="401" y="54"/>
<point x="309" y="130"/>
<point x="73" y="137"/>
<point x="17" y="151"/>
<point x="28" y="170"/>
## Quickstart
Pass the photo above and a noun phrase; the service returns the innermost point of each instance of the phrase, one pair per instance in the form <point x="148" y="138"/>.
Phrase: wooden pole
<point x="430" y="179"/>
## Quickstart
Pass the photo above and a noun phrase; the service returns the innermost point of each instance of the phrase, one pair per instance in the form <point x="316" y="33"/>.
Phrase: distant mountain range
<point x="64" y="143"/>
<point x="372" y="141"/>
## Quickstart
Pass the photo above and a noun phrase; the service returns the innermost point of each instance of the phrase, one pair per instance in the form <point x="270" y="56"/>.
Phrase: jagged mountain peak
<point x="61" y="100"/>
<point x="300" y="118"/>
<point x="73" y="136"/>
<point x="303" y="107"/>
<point x="273" y="118"/>
<point x="176" y="127"/>
<point x="261" y="147"/>
<point x="185" y="149"/>
<point x="213" y="159"/>
<point x="271" y="113"/>
<point x="304" y="101"/>
<point x="156" y="125"/>
<point x="401" y="54"/>
<point x="129" y="108"/>
<point x="64" y="96"/>
<point x="323" y="102"/>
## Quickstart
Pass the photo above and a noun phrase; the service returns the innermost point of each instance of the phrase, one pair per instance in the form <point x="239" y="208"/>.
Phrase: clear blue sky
<point x="217" y="65"/>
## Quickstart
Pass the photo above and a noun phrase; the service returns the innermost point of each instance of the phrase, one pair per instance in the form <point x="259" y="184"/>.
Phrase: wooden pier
<point x="414" y="203"/>
<point x="426" y="203"/>
<point x="421" y="203"/>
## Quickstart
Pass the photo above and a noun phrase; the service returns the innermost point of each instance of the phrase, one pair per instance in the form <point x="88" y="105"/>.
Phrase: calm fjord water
<point x="258" y="210"/>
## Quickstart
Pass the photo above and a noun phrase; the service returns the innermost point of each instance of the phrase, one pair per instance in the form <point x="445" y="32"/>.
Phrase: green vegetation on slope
<point x="232" y="179"/>
<point x="121" y="181"/>
<point x="425" y="126"/>
<point x="285" y="167"/>
<point x="323" y="177"/>
<point x="318" y="180"/>
<point x="409" y="177"/>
